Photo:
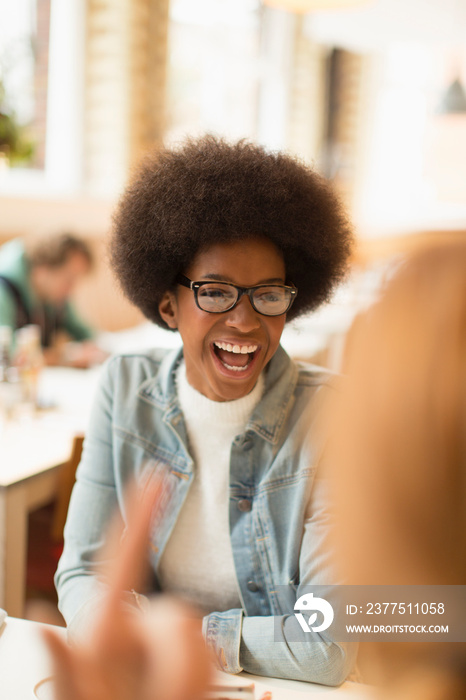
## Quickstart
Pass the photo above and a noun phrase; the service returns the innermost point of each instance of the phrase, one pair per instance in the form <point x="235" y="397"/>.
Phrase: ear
<point x="168" y="310"/>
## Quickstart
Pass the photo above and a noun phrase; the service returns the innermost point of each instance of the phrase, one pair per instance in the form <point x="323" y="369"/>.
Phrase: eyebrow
<point x="225" y="278"/>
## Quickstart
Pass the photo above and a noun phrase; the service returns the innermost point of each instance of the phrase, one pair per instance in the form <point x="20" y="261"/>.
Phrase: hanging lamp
<point x="454" y="99"/>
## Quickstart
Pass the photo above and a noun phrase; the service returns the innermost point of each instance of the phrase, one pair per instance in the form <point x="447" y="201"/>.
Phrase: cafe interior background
<point x="370" y="92"/>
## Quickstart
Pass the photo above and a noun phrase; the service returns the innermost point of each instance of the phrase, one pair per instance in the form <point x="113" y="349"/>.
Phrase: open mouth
<point x="235" y="358"/>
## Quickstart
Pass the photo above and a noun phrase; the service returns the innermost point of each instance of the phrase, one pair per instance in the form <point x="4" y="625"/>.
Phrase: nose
<point x="242" y="316"/>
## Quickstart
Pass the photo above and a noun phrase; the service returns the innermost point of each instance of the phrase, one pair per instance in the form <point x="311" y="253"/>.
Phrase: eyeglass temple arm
<point x="184" y="281"/>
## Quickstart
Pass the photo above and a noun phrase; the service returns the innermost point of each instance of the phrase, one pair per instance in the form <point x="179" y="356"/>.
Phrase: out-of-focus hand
<point x="82" y="355"/>
<point x="158" y="654"/>
<point x="73" y="354"/>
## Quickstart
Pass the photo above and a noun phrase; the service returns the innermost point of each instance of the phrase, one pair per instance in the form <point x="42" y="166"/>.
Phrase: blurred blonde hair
<point x="404" y="429"/>
<point x="400" y="443"/>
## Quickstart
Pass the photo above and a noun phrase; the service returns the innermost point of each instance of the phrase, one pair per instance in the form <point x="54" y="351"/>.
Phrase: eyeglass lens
<point x="219" y="297"/>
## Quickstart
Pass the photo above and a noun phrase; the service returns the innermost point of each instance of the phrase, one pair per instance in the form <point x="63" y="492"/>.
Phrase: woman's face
<point x="209" y="365"/>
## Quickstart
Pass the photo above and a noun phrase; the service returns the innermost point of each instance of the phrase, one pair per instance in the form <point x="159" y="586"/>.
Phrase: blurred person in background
<point x="37" y="279"/>
<point x="400" y="451"/>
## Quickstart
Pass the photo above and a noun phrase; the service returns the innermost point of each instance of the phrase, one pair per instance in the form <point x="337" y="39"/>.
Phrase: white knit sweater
<point x="197" y="563"/>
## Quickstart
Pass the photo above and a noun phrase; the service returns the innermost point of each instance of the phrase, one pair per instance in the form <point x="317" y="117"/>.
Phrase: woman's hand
<point x="158" y="654"/>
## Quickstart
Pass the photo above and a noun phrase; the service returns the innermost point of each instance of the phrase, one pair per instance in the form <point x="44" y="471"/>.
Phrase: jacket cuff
<point x="222" y="633"/>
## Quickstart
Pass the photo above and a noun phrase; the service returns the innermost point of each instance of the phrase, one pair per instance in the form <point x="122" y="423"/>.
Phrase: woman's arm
<point x="93" y="502"/>
<point x="7" y="307"/>
<point x="266" y="645"/>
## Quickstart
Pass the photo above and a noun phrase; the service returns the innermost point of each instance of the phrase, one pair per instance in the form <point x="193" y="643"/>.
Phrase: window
<point x="41" y="68"/>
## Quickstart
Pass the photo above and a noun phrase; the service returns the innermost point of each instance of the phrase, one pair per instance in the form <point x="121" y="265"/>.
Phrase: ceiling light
<point x="454" y="99"/>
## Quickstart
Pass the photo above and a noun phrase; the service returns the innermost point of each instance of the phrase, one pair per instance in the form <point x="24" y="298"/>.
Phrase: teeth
<point x="235" y="369"/>
<point x="238" y="349"/>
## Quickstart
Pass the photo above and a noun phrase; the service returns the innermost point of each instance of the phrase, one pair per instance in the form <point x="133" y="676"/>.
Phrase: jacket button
<point x="244" y="505"/>
<point x="252" y="586"/>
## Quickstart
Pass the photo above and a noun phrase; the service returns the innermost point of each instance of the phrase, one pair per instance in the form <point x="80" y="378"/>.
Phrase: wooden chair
<point x="65" y="486"/>
<point x="45" y="536"/>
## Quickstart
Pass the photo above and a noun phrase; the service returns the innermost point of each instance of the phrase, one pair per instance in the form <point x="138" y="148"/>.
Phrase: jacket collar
<point x="269" y="415"/>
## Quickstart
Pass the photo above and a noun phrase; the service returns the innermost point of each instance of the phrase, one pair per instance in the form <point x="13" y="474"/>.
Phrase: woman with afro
<point x="225" y="244"/>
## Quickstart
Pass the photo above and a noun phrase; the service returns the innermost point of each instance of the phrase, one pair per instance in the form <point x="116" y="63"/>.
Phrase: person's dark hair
<point x="54" y="251"/>
<point x="208" y="191"/>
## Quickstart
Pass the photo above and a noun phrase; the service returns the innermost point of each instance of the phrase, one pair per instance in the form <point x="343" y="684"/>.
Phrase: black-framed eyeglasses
<point x="218" y="297"/>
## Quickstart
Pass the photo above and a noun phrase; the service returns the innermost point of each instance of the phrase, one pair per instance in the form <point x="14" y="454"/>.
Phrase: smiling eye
<point x="272" y="301"/>
<point x="209" y="293"/>
<point x="216" y="297"/>
<point x="270" y="297"/>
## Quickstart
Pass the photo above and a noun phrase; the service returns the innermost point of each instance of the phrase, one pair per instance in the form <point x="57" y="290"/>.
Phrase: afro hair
<point x="209" y="191"/>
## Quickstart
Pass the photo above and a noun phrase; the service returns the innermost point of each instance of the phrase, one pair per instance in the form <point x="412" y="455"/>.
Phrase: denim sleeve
<point x="260" y="645"/>
<point x="93" y="502"/>
<point x="222" y="633"/>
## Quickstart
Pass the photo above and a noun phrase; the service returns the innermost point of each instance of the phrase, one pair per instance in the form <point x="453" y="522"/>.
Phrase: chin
<point x="238" y="391"/>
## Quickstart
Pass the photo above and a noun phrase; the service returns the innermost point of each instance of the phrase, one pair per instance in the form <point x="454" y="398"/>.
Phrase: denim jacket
<point x="279" y="521"/>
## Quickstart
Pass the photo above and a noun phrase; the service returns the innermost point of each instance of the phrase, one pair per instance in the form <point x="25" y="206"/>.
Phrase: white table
<point x="297" y="690"/>
<point x="24" y="662"/>
<point x="32" y="450"/>
<point x="23" y="659"/>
